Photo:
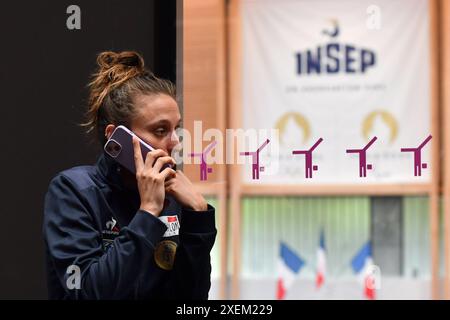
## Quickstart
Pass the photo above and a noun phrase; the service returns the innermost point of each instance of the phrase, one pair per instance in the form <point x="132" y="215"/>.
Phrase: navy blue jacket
<point x="92" y="221"/>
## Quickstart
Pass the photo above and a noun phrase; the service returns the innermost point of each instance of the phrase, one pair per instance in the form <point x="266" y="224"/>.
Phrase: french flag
<point x="289" y="266"/>
<point x="321" y="261"/>
<point x="362" y="264"/>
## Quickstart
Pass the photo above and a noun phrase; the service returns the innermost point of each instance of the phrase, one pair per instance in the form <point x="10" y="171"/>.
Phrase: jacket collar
<point x="110" y="170"/>
<point x="125" y="200"/>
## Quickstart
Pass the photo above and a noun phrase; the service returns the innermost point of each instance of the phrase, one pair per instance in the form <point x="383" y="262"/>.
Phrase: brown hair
<point x="119" y="79"/>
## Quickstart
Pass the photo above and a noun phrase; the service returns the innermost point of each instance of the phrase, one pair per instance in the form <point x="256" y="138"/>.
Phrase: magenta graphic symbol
<point x="255" y="160"/>
<point x="204" y="169"/>
<point x="418" y="165"/>
<point x="363" y="166"/>
<point x="309" y="167"/>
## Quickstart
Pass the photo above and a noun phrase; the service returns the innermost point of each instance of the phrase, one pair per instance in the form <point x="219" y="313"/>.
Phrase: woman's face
<point x="156" y="120"/>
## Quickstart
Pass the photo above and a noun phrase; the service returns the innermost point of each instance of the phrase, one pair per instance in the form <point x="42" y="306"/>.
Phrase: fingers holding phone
<point x="150" y="178"/>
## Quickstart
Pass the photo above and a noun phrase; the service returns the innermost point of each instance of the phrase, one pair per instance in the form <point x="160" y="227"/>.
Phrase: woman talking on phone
<point x="113" y="234"/>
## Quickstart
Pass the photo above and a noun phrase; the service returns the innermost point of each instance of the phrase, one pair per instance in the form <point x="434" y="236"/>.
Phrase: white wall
<point x="348" y="288"/>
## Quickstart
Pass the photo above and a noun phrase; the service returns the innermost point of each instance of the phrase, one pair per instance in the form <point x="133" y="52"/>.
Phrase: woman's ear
<point x="109" y="130"/>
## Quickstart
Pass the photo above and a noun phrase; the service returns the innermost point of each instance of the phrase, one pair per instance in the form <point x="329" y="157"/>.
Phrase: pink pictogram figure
<point x="418" y="165"/>
<point x="363" y="166"/>
<point x="309" y="167"/>
<point x="204" y="169"/>
<point x="255" y="160"/>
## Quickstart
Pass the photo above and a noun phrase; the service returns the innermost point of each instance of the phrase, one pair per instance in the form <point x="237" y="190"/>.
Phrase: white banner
<point x="346" y="71"/>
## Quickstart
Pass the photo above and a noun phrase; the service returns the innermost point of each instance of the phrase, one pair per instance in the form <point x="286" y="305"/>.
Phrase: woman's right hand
<point x="150" y="180"/>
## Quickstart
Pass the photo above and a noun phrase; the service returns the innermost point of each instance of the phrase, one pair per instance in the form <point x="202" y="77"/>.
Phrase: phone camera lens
<point x="113" y="148"/>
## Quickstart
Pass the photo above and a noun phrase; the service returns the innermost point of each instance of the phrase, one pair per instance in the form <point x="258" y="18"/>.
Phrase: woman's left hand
<point x="182" y="189"/>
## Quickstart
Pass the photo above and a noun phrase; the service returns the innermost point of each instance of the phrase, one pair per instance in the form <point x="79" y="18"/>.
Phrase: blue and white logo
<point x="334" y="57"/>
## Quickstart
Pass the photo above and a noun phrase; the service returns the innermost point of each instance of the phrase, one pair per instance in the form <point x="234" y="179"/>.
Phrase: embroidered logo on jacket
<point x="110" y="233"/>
<point x="111" y="227"/>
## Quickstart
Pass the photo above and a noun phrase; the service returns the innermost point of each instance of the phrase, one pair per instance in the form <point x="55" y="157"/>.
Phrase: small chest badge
<point x="165" y="254"/>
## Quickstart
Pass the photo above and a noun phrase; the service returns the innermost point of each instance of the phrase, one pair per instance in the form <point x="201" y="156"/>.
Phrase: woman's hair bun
<point x="131" y="59"/>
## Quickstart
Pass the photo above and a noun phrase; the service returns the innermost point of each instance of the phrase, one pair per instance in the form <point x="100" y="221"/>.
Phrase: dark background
<point x="44" y="72"/>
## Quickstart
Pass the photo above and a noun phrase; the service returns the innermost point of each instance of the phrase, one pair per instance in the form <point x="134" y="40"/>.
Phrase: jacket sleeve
<point x="192" y="266"/>
<point x="72" y="239"/>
